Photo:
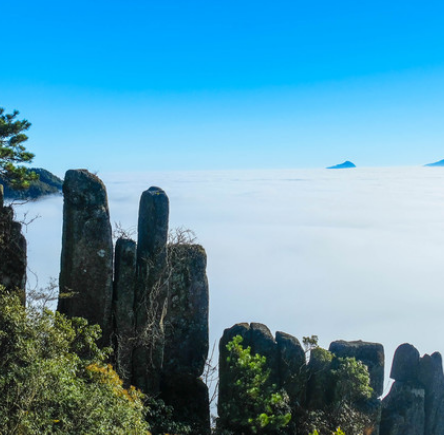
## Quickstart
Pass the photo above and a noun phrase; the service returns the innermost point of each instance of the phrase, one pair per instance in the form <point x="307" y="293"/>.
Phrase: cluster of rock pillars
<point x="151" y="299"/>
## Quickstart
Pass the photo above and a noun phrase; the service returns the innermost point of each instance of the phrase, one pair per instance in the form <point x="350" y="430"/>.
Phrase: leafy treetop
<point x="13" y="151"/>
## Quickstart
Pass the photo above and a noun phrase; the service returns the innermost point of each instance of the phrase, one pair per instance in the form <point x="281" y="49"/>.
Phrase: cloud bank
<point x="351" y="254"/>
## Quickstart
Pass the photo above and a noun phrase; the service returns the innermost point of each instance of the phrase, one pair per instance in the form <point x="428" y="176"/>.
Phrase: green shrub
<point x="54" y="380"/>
<point x="264" y="409"/>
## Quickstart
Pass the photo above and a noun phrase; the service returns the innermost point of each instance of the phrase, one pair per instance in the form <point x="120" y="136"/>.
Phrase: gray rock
<point x="12" y="252"/>
<point x="370" y="354"/>
<point x="186" y="321"/>
<point x="189" y="397"/>
<point x="226" y="381"/>
<point x="292" y="367"/>
<point x="403" y="410"/>
<point x="264" y="344"/>
<point x="186" y="337"/>
<point x="86" y="274"/>
<point x="405" y="365"/>
<point x="432" y="378"/>
<point x="151" y="289"/>
<point x="123" y="306"/>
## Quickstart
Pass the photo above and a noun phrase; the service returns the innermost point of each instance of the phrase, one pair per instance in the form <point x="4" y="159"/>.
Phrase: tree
<point x="13" y="151"/>
<point x="264" y="407"/>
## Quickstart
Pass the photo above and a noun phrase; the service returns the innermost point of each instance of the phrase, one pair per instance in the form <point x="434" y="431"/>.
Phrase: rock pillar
<point x="123" y="306"/>
<point x="292" y="367"/>
<point x="86" y="272"/>
<point x="186" y="337"/>
<point x="403" y="409"/>
<point x="151" y="289"/>
<point x="372" y="355"/>
<point x="432" y="378"/>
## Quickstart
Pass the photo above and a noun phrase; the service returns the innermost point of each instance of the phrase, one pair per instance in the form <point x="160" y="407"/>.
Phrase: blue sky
<point x="166" y="85"/>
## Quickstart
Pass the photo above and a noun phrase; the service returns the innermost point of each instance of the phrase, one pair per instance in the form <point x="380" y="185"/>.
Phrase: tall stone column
<point x="86" y="274"/>
<point x="151" y="289"/>
<point x="123" y="306"/>
<point x="187" y="337"/>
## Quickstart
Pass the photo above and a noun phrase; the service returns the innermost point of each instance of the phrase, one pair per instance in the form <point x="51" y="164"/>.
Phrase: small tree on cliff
<point x="13" y="151"/>
<point x="256" y="407"/>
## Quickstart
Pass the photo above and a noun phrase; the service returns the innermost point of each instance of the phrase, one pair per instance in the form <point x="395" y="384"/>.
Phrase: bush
<point x="264" y="408"/>
<point x="54" y="380"/>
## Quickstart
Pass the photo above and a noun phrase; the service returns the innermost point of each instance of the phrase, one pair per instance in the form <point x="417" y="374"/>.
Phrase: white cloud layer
<point x="346" y="254"/>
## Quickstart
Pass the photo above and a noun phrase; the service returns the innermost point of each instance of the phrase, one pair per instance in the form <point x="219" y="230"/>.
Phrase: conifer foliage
<point x="13" y="151"/>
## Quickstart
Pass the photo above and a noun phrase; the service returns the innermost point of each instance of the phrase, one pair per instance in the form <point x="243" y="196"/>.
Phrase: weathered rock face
<point x="191" y="409"/>
<point x="263" y="343"/>
<point x="292" y="368"/>
<point x="186" y="337"/>
<point x="285" y="360"/>
<point x="432" y="378"/>
<point x="87" y="252"/>
<point x="12" y="251"/>
<point x="403" y="410"/>
<point x="186" y="322"/>
<point x="226" y="382"/>
<point x="370" y="354"/>
<point x="405" y="364"/>
<point x="151" y="289"/>
<point x="123" y="306"/>
<point x="415" y="404"/>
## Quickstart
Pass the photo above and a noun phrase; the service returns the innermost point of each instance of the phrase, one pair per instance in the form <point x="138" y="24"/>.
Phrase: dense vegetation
<point x="54" y="379"/>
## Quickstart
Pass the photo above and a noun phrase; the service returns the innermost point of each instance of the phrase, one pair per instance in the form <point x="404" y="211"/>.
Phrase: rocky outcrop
<point x="12" y="251"/>
<point x="155" y="312"/>
<point x="86" y="273"/>
<point x="151" y="289"/>
<point x="313" y="388"/>
<point x="370" y="354"/>
<point x="285" y="362"/>
<point x="292" y="370"/>
<point x="123" y="306"/>
<point x="431" y="377"/>
<point x="186" y="337"/>
<point x="403" y="411"/>
<point x="46" y="184"/>
<point x="186" y="321"/>
<point x="415" y="404"/>
<point x="226" y="381"/>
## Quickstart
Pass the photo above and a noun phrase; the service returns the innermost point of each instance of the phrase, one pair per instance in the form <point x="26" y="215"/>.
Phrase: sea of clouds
<point x="343" y="254"/>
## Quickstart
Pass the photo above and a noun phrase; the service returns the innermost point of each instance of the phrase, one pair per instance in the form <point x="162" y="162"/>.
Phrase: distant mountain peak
<point x="440" y="163"/>
<point x="347" y="164"/>
<point x="47" y="184"/>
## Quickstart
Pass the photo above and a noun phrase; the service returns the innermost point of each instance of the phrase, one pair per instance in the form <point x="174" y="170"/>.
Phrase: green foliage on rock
<point x="340" y="395"/>
<point x="54" y="380"/>
<point x="263" y="409"/>
<point x="12" y="150"/>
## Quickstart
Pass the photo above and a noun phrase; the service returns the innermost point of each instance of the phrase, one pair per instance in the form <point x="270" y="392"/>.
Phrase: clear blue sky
<point x="166" y="85"/>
